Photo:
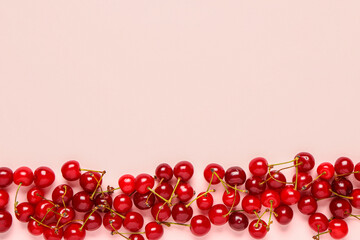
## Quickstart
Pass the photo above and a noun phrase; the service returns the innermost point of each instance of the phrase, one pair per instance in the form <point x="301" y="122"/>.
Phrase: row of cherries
<point x="70" y="215"/>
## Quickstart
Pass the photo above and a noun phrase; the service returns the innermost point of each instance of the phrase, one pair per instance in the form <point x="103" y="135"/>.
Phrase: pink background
<point x="123" y="86"/>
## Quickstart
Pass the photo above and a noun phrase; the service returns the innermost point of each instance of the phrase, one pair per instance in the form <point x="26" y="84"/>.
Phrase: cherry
<point x="136" y="237"/>
<point x="338" y="228"/>
<point x="23" y="175"/>
<point x="90" y="181"/>
<point x="143" y="201"/>
<point x="45" y="210"/>
<point x="251" y="204"/>
<point x="307" y="205"/>
<point x="303" y="181"/>
<point x="35" y="195"/>
<point x="65" y="214"/>
<point x="62" y="194"/>
<point x="112" y="221"/>
<point x="164" y="190"/>
<point x="205" y="202"/>
<point x="143" y="182"/>
<point x="71" y="170"/>
<point x="255" y="185"/>
<point x="318" y="222"/>
<point x="154" y="231"/>
<point x="127" y="183"/>
<point x="276" y="181"/>
<point x="238" y="221"/>
<point x="218" y="214"/>
<point x="6" y="177"/>
<point x="53" y="233"/>
<point x="24" y="211"/>
<point x="184" y="192"/>
<point x="164" y="172"/>
<point x="5" y="221"/>
<point x="133" y="221"/>
<point x="269" y="198"/>
<point x="326" y="170"/>
<point x="356" y="169"/>
<point x="4" y="198"/>
<point x="306" y="161"/>
<point x="35" y="228"/>
<point x="181" y="213"/>
<point x="342" y="186"/>
<point x="235" y="176"/>
<point x="44" y="177"/>
<point x="103" y="199"/>
<point x="81" y="202"/>
<point x="344" y="166"/>
<point x="355" y="198"/>
<point x="210" y="169"/>
<point x="161" y="212"/>
<point x="231" y="199"/>
<point x="321" y="189"/>
<point x="74" y="232"/>
<point x="284" y="214"/>
<point x="258" y="166"/>
<point x="184" y="170"/>
<point x="258" y="229"/>
<point x="340" y="208"/>
<point x="200" y="225"/>
<point x="289" y="195"/>
<point x="93" y="221"/>
<point x="122" y="203"/>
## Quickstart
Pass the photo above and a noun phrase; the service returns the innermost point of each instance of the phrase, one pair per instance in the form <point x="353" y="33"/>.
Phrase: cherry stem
<point x="276" y="164"/>
<point x="317" y="236"/>
<point x="95" y="208"/>
<point x="16" y="202"/>
<point x="39" y="223"/>
<point x="203" y="194"/>
<point x="174" y="223"/>
<point x="346" y="174"/>
<point x="222" y="182"/>
<point x="297" y="172"/>
<point x="157" y="215"/>
<point x="97" y="185"/>
<point x="355" y="216"/>
<point x="62" y="197"/>
<point x="259" y="217"/>
<point x="307" y="185"/>
<point x="339" y="195"/>
<point x="88" y="170"/>
<point x="271" y="211"/>
<point x="288" y="167"/>
<point x="117" y="232"/>
<point x="173" y="192"/>
<point x="75" y="220"/>
<point x="49" y="210"/>
<point x="232" y="205"/>
<point x="158" y="195"/>
<point x="272" y="177"/>
<point x="147" y="199"/>
<point x="37" y="194"/>
<point x="111" y="210"/>
<point x="210" y="183"/>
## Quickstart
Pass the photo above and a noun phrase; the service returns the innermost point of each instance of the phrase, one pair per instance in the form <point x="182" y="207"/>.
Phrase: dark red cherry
<point x="326" y="170"/>
<point x="181" y="213"/>
<point x="154" y="231"/>
<point x="71" y="170"/>
<point x="127" y="183"/>
<point x="218" y="214"/>
<point x="184" y="170"/>
<point x="6" y="177"/>
<point x="205" y="202"/>
<point x="251" y="204"/>
<point x="235" y="176"/>
<point x="103" y="199"/>
<point x="356" y="171"/>
<point x="164" y="172"/>
<point x="318" y="222"/>
<point x="112" y="221"/>
<point x="307" y="205"/>
<point x="303" y="180"/>
<point x="184" y="192"/>
<point x="344" y="166"/>
<point x="65" y="215"/>
<point x="23" y="175"/>
<point x="143" y="182"/>
<point x="355" y="201"/>
<point x="276" y="180"/>
<point x="5" y="221"/>
<point x="53" y="233"/>
<point x="208" y="173"/>
<point x="200" y="225"/>
<point x="81" y="202"/>
<point x="284" y="214"/>
<point x="44" y="177"/>
<point x="24" y="211"/>
<point x="90" y="181"/>
<point x="238" y="221"/>
<point x="93" y="221"/>
<point x="255" y="185"/>
<point x="164" y="190"/>
<point x="35" y="228"/>
<point x="133" y="221"/>
<point x="35" y="195"/>
<point x="321" y="189"/>
<point x="231" y="199"/>
<point x="257" y="229"/>
<point x="74" y="232"/>
<point x="342" y="186"/>
<point x="122" y="203"/>
<point x="161" y="212"/>
<point x="338" y="228"/>
<point x="4" y="198"/>
<point x="62" y="194"/>
<point x="340" y="208"/>
<point x="45" y="210"/>
<point x="269" y="198"/>
<point x="143" y="201"/>
<point x="289" y="195"/>
<point x="258" y="166"/>
<point x="136" y="237"/>
<point x="306" y="161"/>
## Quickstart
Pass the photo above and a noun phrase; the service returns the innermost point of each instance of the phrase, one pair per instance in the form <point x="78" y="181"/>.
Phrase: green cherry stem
<point x="16" y="202"/>
<point x="203" y="194"/>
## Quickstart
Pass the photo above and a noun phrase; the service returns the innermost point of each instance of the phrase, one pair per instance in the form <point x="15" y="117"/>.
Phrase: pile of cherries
<point x="170" y="198"/>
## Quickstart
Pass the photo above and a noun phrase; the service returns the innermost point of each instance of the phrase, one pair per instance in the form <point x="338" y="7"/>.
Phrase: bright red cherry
<point x="338" y="228"/>
<point x="35" y="195"/>
<point x="303" y="180"/>
<point x="53" y="233"/>
<point x="112" y="221"/>
<point x="257" y="229"/>
<point x="326" y="170"/>
<point x="143" y="182"/>
<point x="122" y="203"/>
<point x="44" y="177"/>
<point x="23" y="175"/>
<point x="93" y="221"/>
<point x="218" y="214"/>
<point x="318" y="222"/>
<point x="200" y="225"/>
<point x="127" y="183"/>
<point x="74" y="232"/>
<point x="184" y="192"/>
<point x="71" y="170"/>
<point x="306" y="161"/>
<point x="133" y="221"/>
<point x="205" y="202"/>
<point x="24" y="211"/>
<point x="255" y="185"/>
<point x="356" y="170"/>
<point x="4" y="198"/>
<point x="340" y="208"/>
<point x="62" y="194"/>
<point x="154" y="231"/>
<point x="184" y="170"/>
<point x="230" y="198"/>
<point x="238" y="221"/>
<point x="321" y="189"/>
<point x="342" y="186"/>
<point x="65" y="214"/>
<point x="104" y="199"/>
<point x="45" y="209"/>
<point x="136" y="237"/>
<point x="258" y="166"/>
<point x="90" y="181"/>
<point x="289" y="195"/>
<point x="208" y="173"/>
<point x="5" y="221"/>
<point x="307" y="205"/>
<point x="164" y="190"/>
<point x="355" y="201"/>
<point x="276" y="180"/>
<point x="35" y="228"/>
<point x="269" y="198"/>
<point x="161" y="212"/>
<point x="235" y="176"/>
<point x="164" y="172"/>
<point x="81" y="202"/>
<point x="181" y="213"/>
<point x="143" y="201"/>
<point x="344" y="166"/>
<point x="284" y="214"/>
<point x="6" y="177"/>
<point x="251" y="204"/>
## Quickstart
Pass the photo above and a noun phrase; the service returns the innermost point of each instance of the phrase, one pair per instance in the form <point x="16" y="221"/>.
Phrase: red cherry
<point x="200" y="225"/>
<point x="304" y="179"/>
<point x="184" y="170"/>
<point x="6" y="177"/>
<point x="342" y="186"/>
<point x="230" y="198"/>
<point x="355" y="201"/>
<point x="208" y="173"/>
<point x="251" y="204"/>
<point x="164" y="190"/>
<point x="284" y="214"/>
<point x="143" y="182"/>
<point x="321" y="189"/>
<point x="24" y="211"/>
<point x="276" y="180"/>
<point x="74" y="232"/>
<point x="164" y="172"/>
<point x="136" y="237"/>
<point x="53" y="233"/>
<point x="23" y="175"/>
<point x="255" y="185"/>
<point x="270" y="198"/>
<point x="5" y="221"/>
<point x="235" y="176"/>
<point x="338" y="228"/>
<point x="306" y="161"/>
<point x="45" y="209"/>
<point x="257" y="229"/>
<point x="89" y="181"/>
<point x="205" y="202"/>
<point x="340" y="208"/>
<point x="44" y="177"/>
<point x="71" y="170"/>
<point x="307" y="205"/>
<point x="356" y="170"/>
<point x="65" y="215"/>
<point x="62" y="193"/>
<point x="81" y="202"/>
<point x="327" y="169"/>
<point x="318" y="222"/>
<point x="289" y="195"/>
<point x="112" y="221"/>
<point x="161" y="212"/>
<point x="127" y="183"/>
<point x="35" y="228"/>
<point x="218" y="214"/>
<point x="4" y="198"/>
<point x="154" y="231"/>
<point x="143" y="201"/>
<point x="181" y="213"/>
<point x="93" y="221"/>
<point x="35" y="195"/>
<point x="238" y="221"/>
<point x="103" y="199"/>
<point x="258" y="166"/>
<point x="184" y="192"/>
<point x="122" y="203"/>
<point x="344" y="166"/>
<point x="133" y="221"/>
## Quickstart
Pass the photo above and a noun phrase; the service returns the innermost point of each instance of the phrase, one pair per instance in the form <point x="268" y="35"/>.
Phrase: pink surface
<point x="123" y="86"/>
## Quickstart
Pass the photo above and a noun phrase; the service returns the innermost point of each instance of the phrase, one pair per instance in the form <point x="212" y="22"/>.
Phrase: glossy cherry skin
<point x="165" y="190"/>
<point x="161" y="212"/>
<point x="200" y="225"/>
<point x="164" y="171"/>
<point x="340" y="208"/>
<point x="321" y="189"/>
<point x="257" y="229"/>
<point x="205" y="202"/>
<point x="136" y="237"/>
<point x="184" y="170"/>
<point x="284" y="214"/>
<point x="338" y="228"/>
<point x="143" y="182"/>
<point x="43" y="177"/>
<point x="342" y="186"/>
<point x="231" y="198"/>
<point x="71" y="170"/>
<point x="143" y="201"/>
<point x="112" y="221"/>
<point x="218" y="214"/>
<point x="306" y="161"/>
<point x="344" y="166"/>
<point x="154" y="231"/>
<point x="65" y="214"/>
<point x="356" y="170"/>
<point x="251" y="204"/>
<point x="35" y="195"/>
<point x="45" y="209"/>
<point x="73" y="232"/>
<point x="326" y="169"/>
<point x="318" y="222"/>
<point x="184" y="192"/>
<point x="181" y="213"/>
<point x="62" y="193"/>
<point x="93" y="221"/>
<point x="258" y="166"/>
<point x="304" y="179"/>
<point x="89" y="181"/>
<point x="269" y="198"/>
<point x="133" y="221"/>
<point x="81" y="202"/>
<point x="5" y="221"/>
<point x="23" y="211"/>
<point x="238" y="221"/>
<point x="6" y="177"/>
<point x="355" y="201"/>
<point x="255" y="185"/>
<point x="23" y="175"/>
<point x="127" y="183"/>
<point x="103" y="199"/>
<point x="122" y="203"/>
<point x="289" y="195"/>
<point x="235" y="176"/>
<point x="35" y="228"/>
<point x="277" y="184"/>
<point x="307" y="205"/>
<point x="208" y="173"/>
<point x="4" y="198"/>
<point x="53" y="233"/>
